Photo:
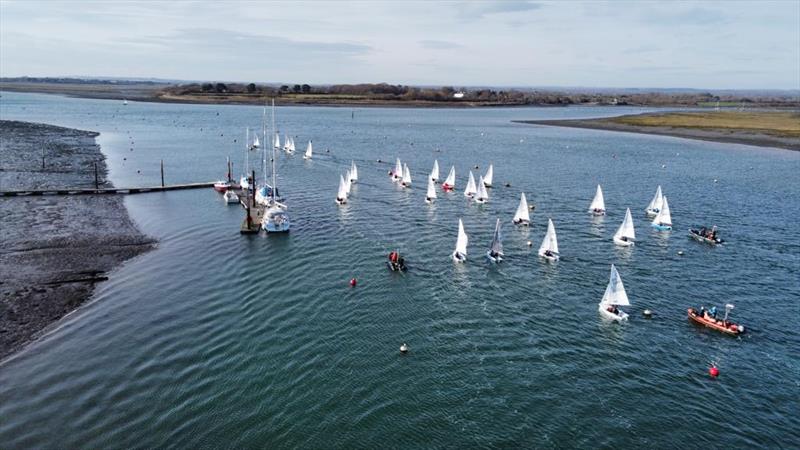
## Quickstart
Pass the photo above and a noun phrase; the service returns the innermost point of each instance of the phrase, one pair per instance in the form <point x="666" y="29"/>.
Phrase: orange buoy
<point x="713" y="371"/>
<point x="353" y="282"/>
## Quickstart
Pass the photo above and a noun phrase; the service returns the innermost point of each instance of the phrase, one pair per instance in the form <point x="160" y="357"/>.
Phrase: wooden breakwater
<point x="101" y="191"/>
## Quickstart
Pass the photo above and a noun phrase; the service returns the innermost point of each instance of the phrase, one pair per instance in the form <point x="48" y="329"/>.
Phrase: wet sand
<point x="54" y="249"/>
<point x="734" y="136"/>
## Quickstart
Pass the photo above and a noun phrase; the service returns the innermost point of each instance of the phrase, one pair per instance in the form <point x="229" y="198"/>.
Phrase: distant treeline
<point x="383" y="92"/>
<point x="75" y="80"/>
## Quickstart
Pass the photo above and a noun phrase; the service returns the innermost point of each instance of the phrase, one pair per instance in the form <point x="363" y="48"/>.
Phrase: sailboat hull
<point x="661" y="227"/>
<point x="622" y="243"/>
<point x="651" y="212"/>
<point x="494" y="259"/>
<point x="552" y="258"/>
<point x="522" y="223"/>
<point x="429" y="201"/>
<point x="458" y="257"/>
<point x="606" y="314"/>
<point x="694" y="234"/>
<point x="447" y="187"/>
<point x="726" y="327"/>
<point x="598" y="212"/>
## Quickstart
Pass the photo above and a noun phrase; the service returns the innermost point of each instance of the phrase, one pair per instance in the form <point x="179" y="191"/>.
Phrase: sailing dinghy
<point x="460" y="253"/>
<point x="471" y="189"/>
<point x="309" y="151"/>
<point x="598" y="206"/>
<point x="450" y="182"/>
<point x="613" y="297"/>
<point x="487" y="179"/>
<point x="482" y="196"/>
<point x="663" y="220"/>
<point x="549" y="248"/>
<point x="625" y="235"/>
<point x="655" y="204"/>
<point x="353" y="172"/>
<point x="406" y="181"/>
<point x="341" y="196"/>
<point x="495" y="253"/>
<point x="435" y="171"/>
<point x="431" y="195"/>
<point x="397" y="173"/>
<point x="522" y="217"/>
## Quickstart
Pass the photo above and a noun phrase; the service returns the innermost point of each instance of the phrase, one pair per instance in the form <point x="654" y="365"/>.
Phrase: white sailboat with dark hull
<point x="522" y="216"/>
<point x="435" y="171"/>
<point x="460" y="253"/>
<point x="614" y="297"/>
<point x="487" y="179"/>
<point x="625" y="235"/>
<point x="598" y="205"/>
<point x="495" y="253"/>
<point x="430" y="196"/>
<point x="549" y="248"/>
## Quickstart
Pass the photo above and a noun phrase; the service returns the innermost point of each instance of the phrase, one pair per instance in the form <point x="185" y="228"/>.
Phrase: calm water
<point x="219" y="340"/>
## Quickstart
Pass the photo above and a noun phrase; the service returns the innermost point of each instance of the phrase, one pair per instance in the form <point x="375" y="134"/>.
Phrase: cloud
<point x="473" y="10"/>
<point x="439" y="45"/>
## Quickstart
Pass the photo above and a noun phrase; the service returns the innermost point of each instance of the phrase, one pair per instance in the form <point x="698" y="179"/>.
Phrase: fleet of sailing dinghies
<point x="341" y="195"/>
<point x="522" y="217"/>
<point x="495" y="253"/>
<point x="460" y="253"/>
<point x="471" y="188"/>
<point x="663" y="220"/>
<point x="406" y="180"/>
<point x="309" y="151"/>
<point x="549" y="248"/>
<point x="353" y="172"/>
<point x="613" y="297"/>
<point x="450" y="182"/>
<point x="482" y="196"/>
<point x="655" y="204"/>
<point x="625" y="235"/>
<point x="598" y="206"/>
<point x="435" y="171"/>
<point x="430" y="196"/>
<point x="487" y="179"/>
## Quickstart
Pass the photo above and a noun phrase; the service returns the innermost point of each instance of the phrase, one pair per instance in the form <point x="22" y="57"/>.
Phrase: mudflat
<point x="760" y="128"/>
<point x="54" y="249"/>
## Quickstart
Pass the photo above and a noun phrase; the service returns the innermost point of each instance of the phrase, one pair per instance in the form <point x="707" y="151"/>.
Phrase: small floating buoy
<point x="476" y="166"/>
<point x="379" y="160"/>
<point x="715" y="180"/>
<point x="353" y="282"/>
<point x="647" y="313"/>
<point x="530" y="244"/>
<point x="403" y="348"/>
<point x="680" y="252"/>
<point x="713" y="371"/>
<point x="663" y="166"/>
<point x="508" y="184"/>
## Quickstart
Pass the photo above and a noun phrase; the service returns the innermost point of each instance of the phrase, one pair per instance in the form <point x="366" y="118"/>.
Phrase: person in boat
<point x="702" y="231"/>
<point x="548" y="253"/>
<point x="713" y="312"/>
<point x="702" y="311"/>
<point x="401" y="263"/>
<point x="494" y="254"/>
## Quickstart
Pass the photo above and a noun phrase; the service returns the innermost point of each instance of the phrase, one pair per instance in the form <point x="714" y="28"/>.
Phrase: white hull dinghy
<point x="598" y="205"/>
<point x="471" y="189"/>
<point x="614" y="296"/>
<point x="549" y="248"/>
<point x="522" y="216"/>
<point x="397" y="173"/>
<point x="482" y="196"/>
<point x="341" y="195"/>
<point x="430" y="197"/>
<point x="495" y="252"/>
<point x="625" y="235"/>
<point x="655" y="204"/>
<point x="435" y="171"/>
<point x="406" y="181"/>
<point x="231" y="197"/>
<point x="460" y="253"/>
<point x="487" y="179"/>
<point x="309" y="151"/>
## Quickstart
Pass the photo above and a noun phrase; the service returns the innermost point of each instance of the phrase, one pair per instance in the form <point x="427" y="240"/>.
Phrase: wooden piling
<point x="162" y="173"/>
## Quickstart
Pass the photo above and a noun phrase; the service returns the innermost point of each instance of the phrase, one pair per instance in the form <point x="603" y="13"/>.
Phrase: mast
<point x="274" y="178"/>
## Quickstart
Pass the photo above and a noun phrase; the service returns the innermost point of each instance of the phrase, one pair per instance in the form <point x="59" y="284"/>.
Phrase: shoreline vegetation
<point x="54" y="250"/>
<point x="383" y="94"/>
<point x="759" y="128"/>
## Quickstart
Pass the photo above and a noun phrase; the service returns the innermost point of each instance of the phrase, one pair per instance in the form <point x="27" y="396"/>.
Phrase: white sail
<point x="431" y="190"/>
<point x="406" y="176"/>
<point x="497" y="244"/>
<point x="256" y="143"/>
<point x="663" y="217"/>
<point x="522" y="214"/>
<point x="626" y="229"/>
<point x="435" y="171"/>
<point x="451" y="177"/>
<point x="461" y="242"/>
<point x="471" y="188"/>
<point x="277" y="140"/>
<point x="550" y="242"/>
<point x="655" y="203"/>
<point x="353" y="171"/>
<point x="309" y="151"/>
<point x="398" y="169"/>
<point x="597" y="203"/>
<point x="487" y="179"/>
<point x="291" y="145"/>
<point x="615" y="292"/>
<point x="347" y="183"/>
<point x="482" y="194"/>
<point x="342" y="194"/>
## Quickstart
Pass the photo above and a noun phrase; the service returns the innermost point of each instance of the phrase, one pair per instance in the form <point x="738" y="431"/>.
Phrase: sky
<point x="704" y="45"/>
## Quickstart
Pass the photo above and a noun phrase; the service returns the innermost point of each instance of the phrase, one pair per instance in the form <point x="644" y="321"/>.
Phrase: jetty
<point x="254" y="213"/>
<point x="103" y="191"/>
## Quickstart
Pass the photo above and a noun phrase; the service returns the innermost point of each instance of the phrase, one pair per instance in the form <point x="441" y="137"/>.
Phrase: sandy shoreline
<point x="53" y="250"/>
<point x="715" y="135"/>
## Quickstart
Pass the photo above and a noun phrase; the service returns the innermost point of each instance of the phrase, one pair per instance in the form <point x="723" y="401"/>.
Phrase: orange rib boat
<point x="725" y="326"/>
